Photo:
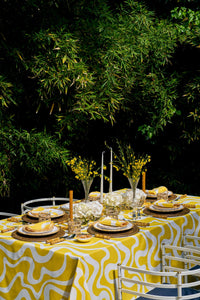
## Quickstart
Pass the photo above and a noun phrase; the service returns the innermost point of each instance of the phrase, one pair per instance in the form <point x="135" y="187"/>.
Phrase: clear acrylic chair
<point x="188" y="254"/>
<point x="45" y="202"/>
<point x="191" y="243"/>
<point x="145" y="284"/>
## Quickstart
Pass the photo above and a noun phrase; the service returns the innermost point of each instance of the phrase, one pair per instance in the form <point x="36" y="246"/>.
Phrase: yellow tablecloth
<point x="84" y="271"/>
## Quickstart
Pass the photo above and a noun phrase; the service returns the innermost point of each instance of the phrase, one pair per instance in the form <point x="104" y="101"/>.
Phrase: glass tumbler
<point x="44" y="216"/>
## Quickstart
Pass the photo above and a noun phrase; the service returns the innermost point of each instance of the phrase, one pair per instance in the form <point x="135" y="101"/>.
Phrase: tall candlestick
<point x="111" y="171"/>
<point x="102" y="179"/>
<point x="71" y="205"/>
<point x="144" y="181"/>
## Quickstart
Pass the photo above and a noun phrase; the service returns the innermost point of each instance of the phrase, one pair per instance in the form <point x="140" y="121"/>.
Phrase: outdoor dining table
<point x="83" y="271"/>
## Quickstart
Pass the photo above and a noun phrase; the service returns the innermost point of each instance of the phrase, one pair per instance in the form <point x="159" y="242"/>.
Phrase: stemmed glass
<point x="140" y="204"/>
<point x="135" y="208"/>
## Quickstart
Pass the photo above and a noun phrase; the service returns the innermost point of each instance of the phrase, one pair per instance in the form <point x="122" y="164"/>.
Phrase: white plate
<point x="65" y="206"/>
<point x="37" y="233"/>
<point x="166" y="209"/>
<point x="155" y="196"/>
<point x="102" y="227"/>
<point x="55" y="213"/>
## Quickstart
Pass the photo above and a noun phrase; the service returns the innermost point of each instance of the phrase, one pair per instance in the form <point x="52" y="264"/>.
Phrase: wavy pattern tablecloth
<point x="84" y="271"/>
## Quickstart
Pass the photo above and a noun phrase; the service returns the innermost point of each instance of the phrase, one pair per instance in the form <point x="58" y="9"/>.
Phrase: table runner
<point x="78" y="271"/>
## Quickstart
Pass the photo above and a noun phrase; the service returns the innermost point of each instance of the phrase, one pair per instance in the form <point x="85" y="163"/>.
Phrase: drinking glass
<point x="112" y="212"/>
<point x="135" y="209"/>
<point x="163" y="195"/>
<point x="44" y="216"/>
<point x="140" y="206"/>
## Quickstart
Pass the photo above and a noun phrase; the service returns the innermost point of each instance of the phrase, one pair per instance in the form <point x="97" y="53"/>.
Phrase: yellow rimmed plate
<point x="165" y="209"/>
<point x="22" y="230"/>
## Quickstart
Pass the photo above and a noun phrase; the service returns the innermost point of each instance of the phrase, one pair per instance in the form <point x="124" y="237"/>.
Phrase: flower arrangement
<point x="84" y="169"/>
<point x="88" y="211"/>
<point x="132" y="165"/>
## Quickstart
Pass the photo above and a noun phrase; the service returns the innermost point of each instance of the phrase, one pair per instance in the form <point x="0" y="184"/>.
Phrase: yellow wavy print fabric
<point x="83" y="271"/>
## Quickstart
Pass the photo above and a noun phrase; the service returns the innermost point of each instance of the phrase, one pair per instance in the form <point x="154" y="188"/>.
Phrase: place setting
<point x="41" y="213"/>
<point x="164" y="203"/>
<point x="152" y="195"/>
<point x="113" y="227"/>
<point x="38" y="232"/>
<point x="43" y="225"/>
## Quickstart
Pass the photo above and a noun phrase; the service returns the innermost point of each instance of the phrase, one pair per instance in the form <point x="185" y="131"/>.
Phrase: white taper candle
<point x="102" y="178"/>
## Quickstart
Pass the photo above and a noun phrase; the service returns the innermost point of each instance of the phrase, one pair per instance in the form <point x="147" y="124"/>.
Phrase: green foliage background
<point x="75" y="74"/>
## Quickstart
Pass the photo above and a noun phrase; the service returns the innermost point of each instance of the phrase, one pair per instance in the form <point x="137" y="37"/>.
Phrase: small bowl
<point x="83" y="237"/>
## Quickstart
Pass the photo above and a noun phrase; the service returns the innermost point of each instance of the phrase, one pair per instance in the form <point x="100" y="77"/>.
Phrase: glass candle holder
<point x="74" y="227"/>
<point x="44" y="216"/>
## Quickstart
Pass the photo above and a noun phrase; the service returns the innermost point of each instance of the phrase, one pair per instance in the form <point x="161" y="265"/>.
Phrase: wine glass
<point x="135" y="209"/>
<point x="140" y="205"/>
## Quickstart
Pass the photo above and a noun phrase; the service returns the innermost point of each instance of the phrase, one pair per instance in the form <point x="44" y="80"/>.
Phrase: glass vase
<point x="133" y="184"/>
<point x="86" y="185"/>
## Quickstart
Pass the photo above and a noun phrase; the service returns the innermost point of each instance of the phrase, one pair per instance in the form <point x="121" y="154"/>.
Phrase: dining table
<point x="74" y="270"/>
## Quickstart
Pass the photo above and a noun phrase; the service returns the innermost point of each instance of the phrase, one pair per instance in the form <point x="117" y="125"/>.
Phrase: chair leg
<point x="163" y="260"/>
<point x="119" y="283"/>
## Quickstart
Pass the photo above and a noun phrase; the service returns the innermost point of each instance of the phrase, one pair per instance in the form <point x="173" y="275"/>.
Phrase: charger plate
<point x="108" y="228"/>
<point x="135" y="229"/>
<point x="16" y="235"/>
<point x="155" y="196"/>
<point x="155" y="214"/>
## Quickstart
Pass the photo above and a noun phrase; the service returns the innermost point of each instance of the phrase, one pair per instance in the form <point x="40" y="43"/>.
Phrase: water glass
<point x="112" y="212"/>
<point x="140" y="205"/>
<point x="44" y="216"/>
<point x="135" y="209"/>
<point x="163" y="196"/>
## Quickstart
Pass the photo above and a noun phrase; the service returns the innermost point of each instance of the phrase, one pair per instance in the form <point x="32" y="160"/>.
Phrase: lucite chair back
<point x="45" y="202"/>
<point x="176" y="258"/>
<point x="143" y="285"/>
<point x="4" y="215"/>
<point x="192" y="244"/>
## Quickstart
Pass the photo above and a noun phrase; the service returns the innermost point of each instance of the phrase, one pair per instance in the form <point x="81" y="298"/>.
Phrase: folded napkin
<point x="40" y="227"/>
<point x="113" y="222"/>
<point x="155" y="191"/>
<point x="163" y="203"/>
